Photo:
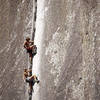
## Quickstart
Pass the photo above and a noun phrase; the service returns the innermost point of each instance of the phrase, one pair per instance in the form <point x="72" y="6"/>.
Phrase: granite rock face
<point x="70" y="50"/>
<point x="15" y="25"/>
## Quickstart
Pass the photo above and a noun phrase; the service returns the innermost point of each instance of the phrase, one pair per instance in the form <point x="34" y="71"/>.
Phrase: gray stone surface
<point x="70" y="50"/>
<point x="15" y="25"/>
<point x="70" y="55"/>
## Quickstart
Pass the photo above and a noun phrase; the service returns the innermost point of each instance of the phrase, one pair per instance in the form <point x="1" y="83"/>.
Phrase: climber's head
<point x="27" y="39"/>
<point x="25" y="70"/>
<point x="25" y="73"/>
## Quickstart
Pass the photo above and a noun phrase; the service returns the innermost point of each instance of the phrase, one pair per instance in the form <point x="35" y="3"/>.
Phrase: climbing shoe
<point x="38" y="81"/>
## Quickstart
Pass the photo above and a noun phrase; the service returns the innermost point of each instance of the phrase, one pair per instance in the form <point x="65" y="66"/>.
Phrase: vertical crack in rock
<point x="35" y="17"/>
<point x="33" y="36"/>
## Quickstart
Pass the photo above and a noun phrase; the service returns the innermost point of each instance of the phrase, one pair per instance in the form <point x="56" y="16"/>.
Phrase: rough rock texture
<point x="15" y="24"/>
<point x="70" y="50"/>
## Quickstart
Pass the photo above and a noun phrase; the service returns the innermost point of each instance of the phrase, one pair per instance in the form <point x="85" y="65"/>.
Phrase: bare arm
<point x="32" y="42"/>
<point x="25" y="45"/>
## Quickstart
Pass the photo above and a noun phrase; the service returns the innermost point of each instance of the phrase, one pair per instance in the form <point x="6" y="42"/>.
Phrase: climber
<point x="30" y="79"/>
<point x="29" y="46"/>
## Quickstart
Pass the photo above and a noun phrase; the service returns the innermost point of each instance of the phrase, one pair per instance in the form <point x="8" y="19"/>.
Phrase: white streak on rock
<point x="38" y="43"/>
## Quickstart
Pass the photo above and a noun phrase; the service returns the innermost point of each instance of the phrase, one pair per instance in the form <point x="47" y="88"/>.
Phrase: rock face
<point x="15" y="25"/>
<point x="70" y="50"/>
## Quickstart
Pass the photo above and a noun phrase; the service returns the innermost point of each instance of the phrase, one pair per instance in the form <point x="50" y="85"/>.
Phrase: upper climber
<point x="29" y="46"/>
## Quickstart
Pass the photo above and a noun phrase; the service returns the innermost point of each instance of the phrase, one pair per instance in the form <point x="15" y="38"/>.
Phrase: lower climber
<point x="30" y="79"/>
